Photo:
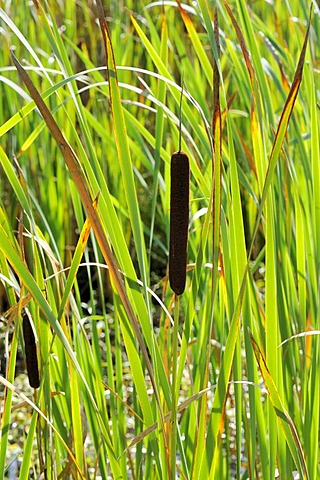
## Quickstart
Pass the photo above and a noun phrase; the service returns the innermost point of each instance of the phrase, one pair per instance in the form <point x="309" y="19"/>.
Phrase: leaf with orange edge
<point x="76" y="259"/>
<point x="288" y="427"/>
<point x="247" y="59"/>
<point x="285" y="116"/>
<point x="275" y="55"/>
<point x="197" y="45"/>
<point x="242" y="43"/>
<point x="225" y="370"/>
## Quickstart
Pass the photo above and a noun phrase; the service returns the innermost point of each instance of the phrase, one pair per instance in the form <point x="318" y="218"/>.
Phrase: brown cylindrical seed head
<point x="179" y="220"/>
<point x="31" y="352"/>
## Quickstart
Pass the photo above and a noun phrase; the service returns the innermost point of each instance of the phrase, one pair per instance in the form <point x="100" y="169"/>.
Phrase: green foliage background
<point x="251" y="301"/>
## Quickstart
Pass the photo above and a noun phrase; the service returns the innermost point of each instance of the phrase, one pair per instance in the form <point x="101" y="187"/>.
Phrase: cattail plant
<point x="179" y="219"/>
<point x="31" y="352"/>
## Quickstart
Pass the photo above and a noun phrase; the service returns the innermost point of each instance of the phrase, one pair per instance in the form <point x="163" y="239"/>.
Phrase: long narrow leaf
<point x="78" y="177"/>
<point x="225" y="371"/>
<point x="283" y="416"/>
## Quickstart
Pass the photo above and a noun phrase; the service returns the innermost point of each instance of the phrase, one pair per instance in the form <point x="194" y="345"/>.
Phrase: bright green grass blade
<point x="23" y="40"/>
<point x="123" y="150"/>
<point x="256" y="60"/>
<point x="13" y="179"/>
<point x="121" y="417"/>
<point x="159" y="131"/>
<point x="285" y="117"/>
<point x="76" y="259"/>
<point x="199" y="439"/>
<point x="76" y="416"/>
<point x="28" y="446"/>
<point x="216" y="162"/>
<point x="18" y="117"/>
<point x="220" y="395"/>
<point x="312" y="415"/>
<point x="10" y="386"/>
<point x="159" y="128"/>
<point x="129" y="186"/>
<point x="301" y="263"/>
<point x="197" y="45"/>
<point x="283" y="416"/>
<point x="28" y="280"/>
<point x="187" y="112"/>
<point x="313" y="454"/>
<point x="271" y="315"/>
<point x="206" y="15"/>
<point x="6" y="405"/>
<point x="315" y="153"/>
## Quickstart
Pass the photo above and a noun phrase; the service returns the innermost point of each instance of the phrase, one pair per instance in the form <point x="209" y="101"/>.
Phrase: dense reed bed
<point x="217" y="375"/>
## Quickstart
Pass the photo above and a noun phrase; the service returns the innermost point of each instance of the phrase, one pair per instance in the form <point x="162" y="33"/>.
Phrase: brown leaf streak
<point x="287" y="110"/>
<point x="216" y="82"/>
<point x="242" y="43"/>
<point x="87" y="227"/>
<point x="260" y="358"/>
<point x="36" y="5"/>
<point x="112" y="72"/>
<point x="79" y="180"/>
<point x="166" y="419"/>
<point x="296" y="81"/>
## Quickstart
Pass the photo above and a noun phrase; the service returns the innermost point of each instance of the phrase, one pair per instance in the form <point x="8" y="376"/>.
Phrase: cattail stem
<point x="174" y="393"/>
<point x="180" y="114"/>
<point x="31" y="352"/>
<point x="179" y="220"/>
